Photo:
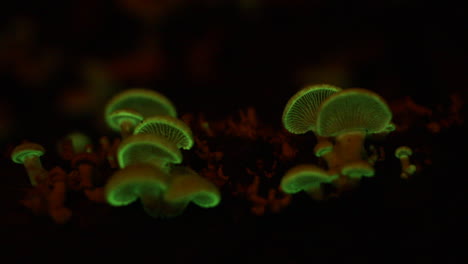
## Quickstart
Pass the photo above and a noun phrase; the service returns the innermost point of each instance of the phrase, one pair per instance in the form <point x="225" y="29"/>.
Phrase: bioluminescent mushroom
<point x="187" y="186"/>
<point x="149" y="149"/>
<point x="358" y="169"/>
<point x="350" y="115"/>
<point x="169" y="127"/>
<point x="325" y="149"/>
<point x="29" y="155"/>
<point x="146" y="102"/>
<point x="73" y="143"/>
<point x="300" y="113"/>
<point x="124" y="121"/>
<point x="403" y="153"/>
<point x="305" y="178"/>
<point x="137" y="181"/>
<point x="86" y="163"/>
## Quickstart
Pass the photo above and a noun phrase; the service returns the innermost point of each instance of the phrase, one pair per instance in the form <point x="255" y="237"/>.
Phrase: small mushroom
<point x="358" y="169"/>
<point x="138" y="181"/>
<point x="403" y="153"/>
<point x="124" y="121"/>
<point x="86" y="164"/>
<point x="149" y="149"/>
<point x="300" y="113"/>
<point x="305" y="178"/>
<point x="72" y="144"/>
<point x="29" y="155"/>
<point x="187" y="186"/>
<point x="350" y="115"/>
<point x="143" y="101"/>
<point x="169" y="127"/>
<point x="325" y="149"/>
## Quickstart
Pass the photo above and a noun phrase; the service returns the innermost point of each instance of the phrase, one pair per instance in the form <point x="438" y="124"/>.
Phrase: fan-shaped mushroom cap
<point x="21" y="152"/>
<point x="187" y="186"/>
<point x="116" y="118"/>
<point x="134" y="181"/>
<point x="146" y="102"/>
<point x="358" y="169"/>
<point x="305" y="177"/>
<point x="353" y="110"/>
<point x="169" y="127"/>
<point x="403" y="151"/>
<point x="148" y="148"/>
<point x="300" y="113"/>
<point x="323" y="147"/>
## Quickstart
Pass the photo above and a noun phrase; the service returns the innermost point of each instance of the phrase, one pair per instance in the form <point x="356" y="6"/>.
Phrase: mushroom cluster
<point x="148" y="155"/>
<point x="341" y="119"/>
<point x="139" y="165"/>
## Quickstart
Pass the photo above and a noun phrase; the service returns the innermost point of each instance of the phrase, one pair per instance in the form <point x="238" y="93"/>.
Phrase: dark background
<point x="216" y="58"/>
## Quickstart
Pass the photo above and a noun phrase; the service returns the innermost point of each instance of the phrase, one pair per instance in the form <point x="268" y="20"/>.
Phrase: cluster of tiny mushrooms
<point x="149" y="154"/>
<point x="341" y="119"/>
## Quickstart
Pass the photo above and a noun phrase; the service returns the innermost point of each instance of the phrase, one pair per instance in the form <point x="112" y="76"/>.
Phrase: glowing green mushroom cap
<point x="353" y="110"/>
<point x="323" y="147"/>
<point x="130" y="183"/>
<point x="300" y="113"/>
<point x="169" y="127"/>
<point x="358" y="169"/>
<point x="403" y="151"/>
<point x="21" y="152"/>
<point x="147" y="148"/>
<point x="187" y="186"/>
<point x="78" y="140"/>
<point x="146" y="102"/>
<point x="115" y="118"/>
<point x="304" y="177"/>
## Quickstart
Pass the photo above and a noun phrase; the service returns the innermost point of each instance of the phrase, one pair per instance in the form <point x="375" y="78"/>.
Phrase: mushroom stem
<point x="161" y="164"/>
<point x="126" y="128"/>
<point x="349" y="146"/>
<point x="36" y="172"/>
<point x="334" y="163"/>
<point x="407" y="168"/>
<point x="56" y="200"/>
<point x="96" y="195"/>
<point x="86" y="172"/>
<point x="326" y="150"/>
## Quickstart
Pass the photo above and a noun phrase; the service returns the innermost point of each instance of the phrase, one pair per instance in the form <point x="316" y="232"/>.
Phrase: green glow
<point x="115" y="120"/>
<point x="148" y="148"/>
<point x="187" y="186"/>
<point x="411" y="169"/>
<point x="323" y="147"/>
<point x="169" y="127"/>
<point x="29" y="155"/>
<point x="305" y="177"/>
<point x="79" y="141"/>
<point x="358" y="169"/>
<point x="300" y="113"/>
<point x="133" y="182"/>
<point x="390" y="127"/>
<point x="403" y="151"/>
<point x="25" y="150"/>
<point x="353" y="110"/>
<point x="146" y="102"/>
